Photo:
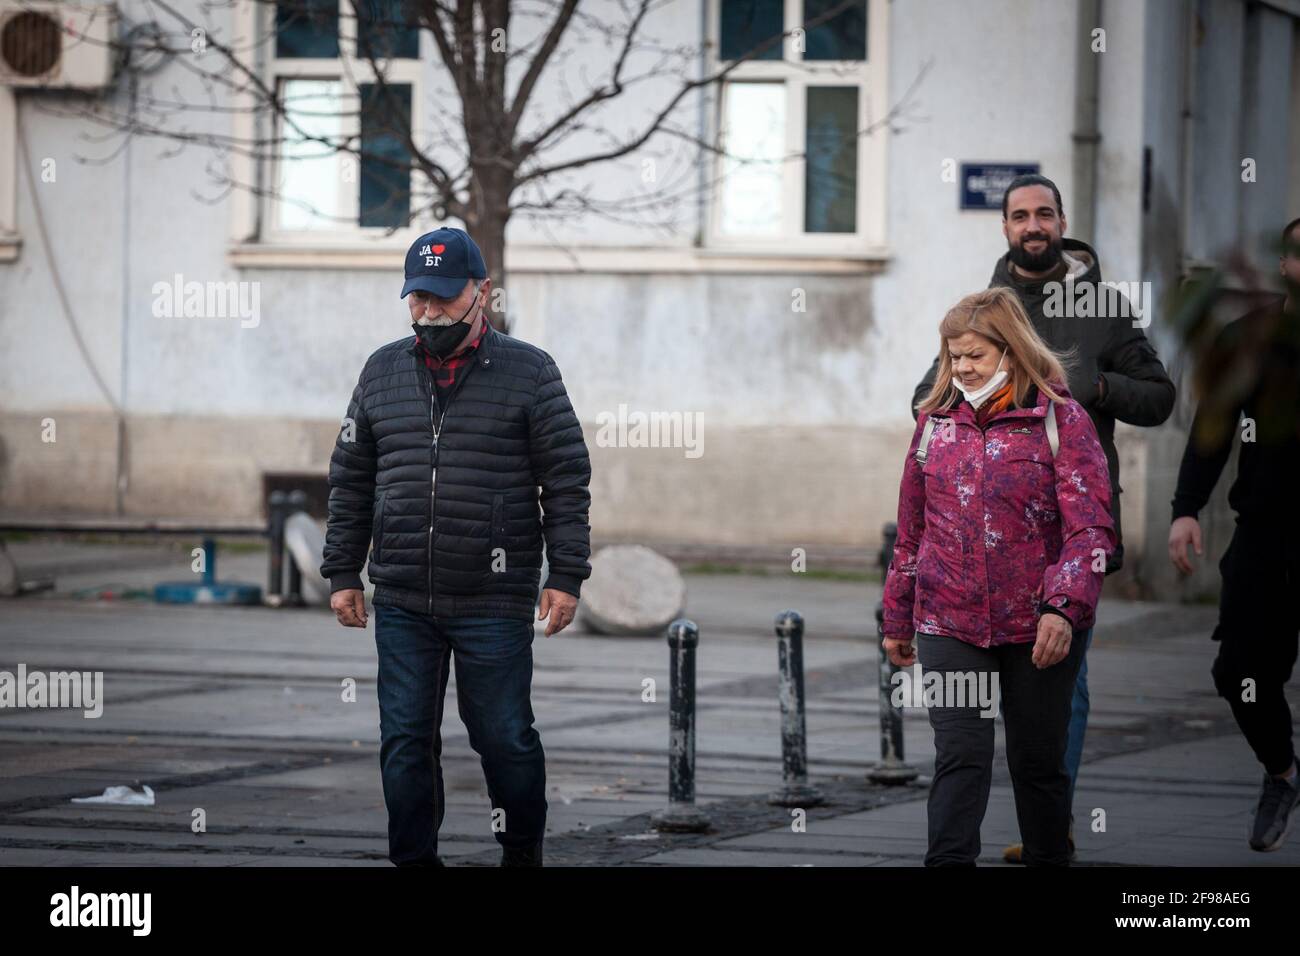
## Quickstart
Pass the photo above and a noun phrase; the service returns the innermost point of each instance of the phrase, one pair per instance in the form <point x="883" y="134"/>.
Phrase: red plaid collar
<point x="444" y="370"/>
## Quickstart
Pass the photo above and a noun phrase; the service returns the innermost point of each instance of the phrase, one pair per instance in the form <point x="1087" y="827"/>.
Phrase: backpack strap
<point x="1053" y="434"/>
<point x="923" y="449"/>
<point x="1049" y="421"/>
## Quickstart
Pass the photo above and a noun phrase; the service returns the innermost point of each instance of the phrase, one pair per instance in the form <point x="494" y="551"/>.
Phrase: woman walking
<point x="1004" y="526"/>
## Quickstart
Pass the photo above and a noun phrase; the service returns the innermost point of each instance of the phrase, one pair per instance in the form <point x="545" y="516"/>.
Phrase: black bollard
<point x="275" y="515"/>
<point x="295" y="501"/>
<point x="795" y="791"/>
<point x="892" y="769"/>
<point x="681" y="815"/>
<point x="889" y="537"/>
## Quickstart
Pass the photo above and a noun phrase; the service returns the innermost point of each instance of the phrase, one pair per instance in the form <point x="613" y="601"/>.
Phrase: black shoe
<point x="522" y="856"/>
<point x="1273" y="812"/>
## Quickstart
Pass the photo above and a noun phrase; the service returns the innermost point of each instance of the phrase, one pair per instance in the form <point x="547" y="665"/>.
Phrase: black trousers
<point x="1259" y="621"/>
<point x="1035" y="706"/>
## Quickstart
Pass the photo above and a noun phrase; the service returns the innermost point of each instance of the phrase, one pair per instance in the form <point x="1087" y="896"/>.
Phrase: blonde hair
<point x="998" y="315"/>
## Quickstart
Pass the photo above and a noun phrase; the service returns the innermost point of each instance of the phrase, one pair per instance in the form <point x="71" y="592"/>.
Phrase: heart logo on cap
<point x="437" y="250"/>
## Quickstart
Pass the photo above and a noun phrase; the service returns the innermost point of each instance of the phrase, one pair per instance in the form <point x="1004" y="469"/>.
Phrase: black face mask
<point x="441" y="340"/>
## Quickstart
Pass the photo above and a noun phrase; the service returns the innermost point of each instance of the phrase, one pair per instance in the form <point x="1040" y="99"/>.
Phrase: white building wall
<point x="806" y="415"/>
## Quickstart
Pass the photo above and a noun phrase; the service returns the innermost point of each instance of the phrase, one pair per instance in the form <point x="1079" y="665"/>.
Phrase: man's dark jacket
<point x="1138" y="390"/>
<point x="506" y="428"/>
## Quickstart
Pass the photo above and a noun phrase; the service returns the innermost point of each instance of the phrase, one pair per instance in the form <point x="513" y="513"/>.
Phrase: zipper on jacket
<point x="433" y="477"/>
<point x="436" y="418"/>
<point x="984" y="437"/>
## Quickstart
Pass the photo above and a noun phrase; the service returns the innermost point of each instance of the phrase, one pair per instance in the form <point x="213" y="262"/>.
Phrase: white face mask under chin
<point x="978" y="396"/>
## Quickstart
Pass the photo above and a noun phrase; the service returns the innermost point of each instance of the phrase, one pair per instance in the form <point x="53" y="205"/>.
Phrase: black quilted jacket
<point x="475" y="465"/>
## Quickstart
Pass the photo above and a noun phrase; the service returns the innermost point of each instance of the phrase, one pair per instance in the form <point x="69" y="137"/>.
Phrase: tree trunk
<point x="491" y="238"/>
<point x="489" y="212"/>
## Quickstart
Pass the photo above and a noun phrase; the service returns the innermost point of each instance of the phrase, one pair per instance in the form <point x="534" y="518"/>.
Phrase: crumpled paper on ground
<point x="121" y="796"/>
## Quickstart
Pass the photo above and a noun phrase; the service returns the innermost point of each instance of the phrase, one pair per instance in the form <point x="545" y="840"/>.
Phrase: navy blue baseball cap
<point x="442" y="262"/>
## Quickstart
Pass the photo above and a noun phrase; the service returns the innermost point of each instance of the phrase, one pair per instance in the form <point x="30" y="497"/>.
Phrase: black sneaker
<point x="522" y="856"/>
<point x="1273" y="813"/>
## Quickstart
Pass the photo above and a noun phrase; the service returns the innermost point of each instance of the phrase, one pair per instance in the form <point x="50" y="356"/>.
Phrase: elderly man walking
<point x="448" y="437"/>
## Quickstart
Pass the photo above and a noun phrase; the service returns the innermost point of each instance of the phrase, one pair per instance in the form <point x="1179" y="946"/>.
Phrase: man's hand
<point x="1053" y="643"/>
<point x="349" y="606"/>
<point x="901" y="653"/>
<point x="1184" y="531"/>
<point x="561" y="606"/>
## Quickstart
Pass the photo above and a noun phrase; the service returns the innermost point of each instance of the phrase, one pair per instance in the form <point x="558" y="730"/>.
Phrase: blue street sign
<point x="982" y="184"/>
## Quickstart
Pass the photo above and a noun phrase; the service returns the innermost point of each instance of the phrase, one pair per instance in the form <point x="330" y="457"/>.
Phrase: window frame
<point x="10" y="239"/>
<point x="797" y="75"/>
<point x="258" y="216"/>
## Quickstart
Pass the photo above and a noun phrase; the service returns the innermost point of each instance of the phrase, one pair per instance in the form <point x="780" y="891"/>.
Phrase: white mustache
<point x="438" y="322"/>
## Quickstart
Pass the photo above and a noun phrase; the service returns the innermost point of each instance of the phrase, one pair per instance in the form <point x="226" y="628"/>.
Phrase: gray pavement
<point x="239" y="712"/>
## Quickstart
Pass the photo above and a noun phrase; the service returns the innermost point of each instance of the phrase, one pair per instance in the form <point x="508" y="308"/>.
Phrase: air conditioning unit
<point x="53" y="45"/>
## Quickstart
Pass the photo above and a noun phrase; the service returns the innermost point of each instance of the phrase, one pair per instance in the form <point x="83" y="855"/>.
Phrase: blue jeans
<point x="494" y="672"/>
<point x="1078" y="718"/>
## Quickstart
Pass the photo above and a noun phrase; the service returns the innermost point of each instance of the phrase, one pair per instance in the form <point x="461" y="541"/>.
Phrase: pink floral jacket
<point x="991" y="527"/>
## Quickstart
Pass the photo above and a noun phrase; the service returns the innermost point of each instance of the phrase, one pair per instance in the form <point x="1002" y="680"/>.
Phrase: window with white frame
<point x="332" y="93"/>
<point x="802" y="165"/>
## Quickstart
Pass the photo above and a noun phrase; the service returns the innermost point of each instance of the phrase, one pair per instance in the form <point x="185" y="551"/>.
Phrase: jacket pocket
<point x="377" y="533"/>
<point x="497" y="539"/>
<point x="1041" y="563"/>
<point x="933" y="479"/>
<point x="1026" y="475"/>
